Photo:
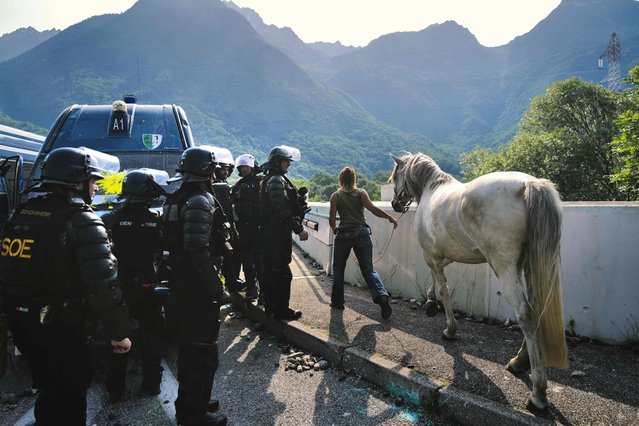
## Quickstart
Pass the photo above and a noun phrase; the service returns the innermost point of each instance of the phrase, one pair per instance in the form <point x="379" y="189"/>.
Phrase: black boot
<point x="152" y="378"/>
<point x="385" y="305"/>
<point x="288" y="314"/>
<point x="151" y="387"/>
<point x="215" y="419"/>
<point x="213" y="406"/>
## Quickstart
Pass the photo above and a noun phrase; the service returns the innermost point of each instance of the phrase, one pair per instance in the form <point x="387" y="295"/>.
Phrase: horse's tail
<point x="542" y="266"/>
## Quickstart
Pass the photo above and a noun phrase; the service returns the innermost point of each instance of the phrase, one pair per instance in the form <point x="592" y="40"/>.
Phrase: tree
<point x="22" y="125"/>
<point x="626" y="143"/>
<point x="565" y="136"/>
<point x="322" y="185"/>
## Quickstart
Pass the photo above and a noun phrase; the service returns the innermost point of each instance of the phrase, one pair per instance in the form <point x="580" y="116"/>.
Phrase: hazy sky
<point x="353" y="22"/>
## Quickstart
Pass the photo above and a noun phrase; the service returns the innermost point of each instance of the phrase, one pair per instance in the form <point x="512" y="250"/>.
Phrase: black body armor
<point x="245" y="195"/>
<point x="55" y="252"/>
<point x="279" y="203"/>
<point x="189" y="226"/>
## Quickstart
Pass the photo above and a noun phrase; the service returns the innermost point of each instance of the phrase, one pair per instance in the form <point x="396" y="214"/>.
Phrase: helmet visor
<point x="100" y="163"/>
<point x="289" y="153"/>
<point x="160" y="177"/>
<point x="222" y="155"/>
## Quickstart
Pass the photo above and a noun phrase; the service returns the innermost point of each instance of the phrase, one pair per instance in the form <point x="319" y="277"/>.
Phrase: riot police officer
<point x="137" y="245"/>
<point x="222" y="193"/>
<point x="223" y="170"/>
<point x="190" y="220"/>
<point x="282" y="212"/>
<point x="57" y="270"/>
<point x="245" y="196"/>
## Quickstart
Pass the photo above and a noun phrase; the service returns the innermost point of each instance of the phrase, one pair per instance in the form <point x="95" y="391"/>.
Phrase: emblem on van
<point x="151" y="141"/>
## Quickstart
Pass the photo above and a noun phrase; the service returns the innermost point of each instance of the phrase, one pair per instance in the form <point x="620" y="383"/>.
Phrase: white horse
<point x="510" y="220"/>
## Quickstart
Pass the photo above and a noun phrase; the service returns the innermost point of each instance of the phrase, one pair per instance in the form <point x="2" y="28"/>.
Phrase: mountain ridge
<point x="249" y="84"/>
<point x="237" y="89"/>
<point x="19" y="41"/>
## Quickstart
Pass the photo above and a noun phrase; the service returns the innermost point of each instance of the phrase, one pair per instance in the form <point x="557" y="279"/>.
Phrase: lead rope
<point x="354" y="258"/>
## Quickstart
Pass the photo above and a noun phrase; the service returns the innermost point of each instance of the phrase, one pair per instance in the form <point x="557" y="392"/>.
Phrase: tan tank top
<point x="350" y="208"/>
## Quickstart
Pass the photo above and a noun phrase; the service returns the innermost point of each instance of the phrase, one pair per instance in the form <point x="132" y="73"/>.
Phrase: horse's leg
<point x="451" y="323"/>
<point x="521" y="362"/>
<point x="514" y="292"/>
<point x="431" y="299"/>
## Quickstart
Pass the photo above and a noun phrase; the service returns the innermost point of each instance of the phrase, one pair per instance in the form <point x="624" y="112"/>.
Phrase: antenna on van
<point x="137" y="60"/>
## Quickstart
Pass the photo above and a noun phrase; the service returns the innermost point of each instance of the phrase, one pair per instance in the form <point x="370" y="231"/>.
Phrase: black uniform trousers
<point x="197" y="362"/>
<point x="248" y="254"/>
<point x="147" y="343"/>
<point x="62" y="366"/>
<point x="277" y="272"/>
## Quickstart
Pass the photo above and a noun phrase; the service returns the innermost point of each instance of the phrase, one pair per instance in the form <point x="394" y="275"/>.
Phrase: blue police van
<point x="18" y="151"/>
<point x="139" y="135"/>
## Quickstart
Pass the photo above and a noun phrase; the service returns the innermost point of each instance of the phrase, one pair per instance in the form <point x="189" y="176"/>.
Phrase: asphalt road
<point x="252" y="384"/>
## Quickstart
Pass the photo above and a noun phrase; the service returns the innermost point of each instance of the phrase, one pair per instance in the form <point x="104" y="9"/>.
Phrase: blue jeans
<point x="363" y="246"/>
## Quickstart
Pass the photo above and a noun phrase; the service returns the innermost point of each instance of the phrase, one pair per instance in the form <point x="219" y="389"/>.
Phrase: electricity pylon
<point x="613" y="52"/>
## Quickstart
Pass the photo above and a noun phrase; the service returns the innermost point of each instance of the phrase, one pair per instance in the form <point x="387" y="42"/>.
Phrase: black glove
<point x="209" y="275"/>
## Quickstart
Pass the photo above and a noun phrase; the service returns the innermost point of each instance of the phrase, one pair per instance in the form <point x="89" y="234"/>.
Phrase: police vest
<point x="246" y="200"/>
<point x="137" y="243"/>
<point x="37" y="263"/>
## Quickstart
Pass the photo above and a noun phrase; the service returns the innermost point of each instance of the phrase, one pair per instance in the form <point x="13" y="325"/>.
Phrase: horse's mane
<point x="421" y="173"/>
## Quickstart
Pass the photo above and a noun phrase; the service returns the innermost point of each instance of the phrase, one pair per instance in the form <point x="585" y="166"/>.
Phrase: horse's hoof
<point x="431" y="308"/>
<point x="517" y="368"/>
<point x="537" y="406"/>
<point x="446" y="337"/>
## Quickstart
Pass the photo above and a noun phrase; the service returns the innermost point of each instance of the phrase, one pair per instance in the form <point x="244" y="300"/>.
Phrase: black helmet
<point x="143" y="185"/>
<point x="197" y="165"/>
<point x="279" y="153"/>
<point x="70" y="166"/>
<point x="283" y="152"/>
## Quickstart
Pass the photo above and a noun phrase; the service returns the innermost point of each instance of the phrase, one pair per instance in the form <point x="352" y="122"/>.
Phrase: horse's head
<point x="402" y="197"/>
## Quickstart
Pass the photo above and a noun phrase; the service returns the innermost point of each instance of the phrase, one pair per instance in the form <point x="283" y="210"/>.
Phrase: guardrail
<point x="600" y="267"/>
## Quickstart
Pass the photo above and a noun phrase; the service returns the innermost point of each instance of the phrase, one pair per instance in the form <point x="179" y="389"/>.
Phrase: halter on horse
<point x="510" y="220"/>
<point x="402" y="199"/>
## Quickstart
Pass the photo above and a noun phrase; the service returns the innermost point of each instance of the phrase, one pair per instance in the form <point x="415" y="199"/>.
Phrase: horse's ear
<point x="397" y="160"/>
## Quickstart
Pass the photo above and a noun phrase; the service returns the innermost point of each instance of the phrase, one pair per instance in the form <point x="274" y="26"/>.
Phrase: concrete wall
<point x="600" y="267"/>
